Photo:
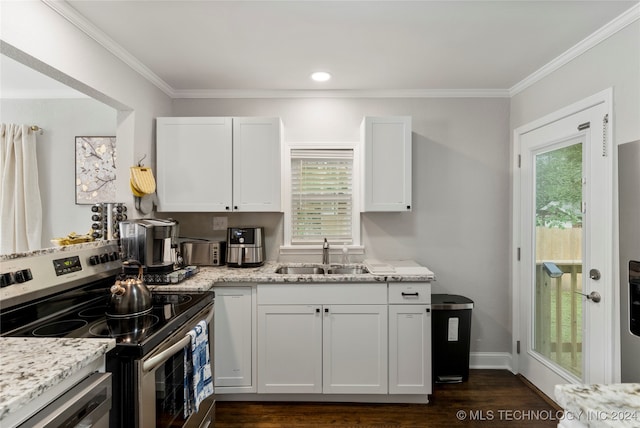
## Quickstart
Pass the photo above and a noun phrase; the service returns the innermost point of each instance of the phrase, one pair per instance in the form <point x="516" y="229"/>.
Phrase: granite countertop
<point x="50" y="361"/>
<point x="225" y="275"/>
<point x="60" y="249"/>
<point x="598" y="405"/>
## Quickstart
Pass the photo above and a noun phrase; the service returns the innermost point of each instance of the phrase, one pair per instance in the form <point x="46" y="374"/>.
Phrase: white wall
<point x="459" y="223"/>
<point x="62" y="121"/>
<point x="613" y="63"/>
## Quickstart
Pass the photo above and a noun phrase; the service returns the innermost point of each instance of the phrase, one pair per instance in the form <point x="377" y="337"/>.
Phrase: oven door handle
<point x="163" y="356"/>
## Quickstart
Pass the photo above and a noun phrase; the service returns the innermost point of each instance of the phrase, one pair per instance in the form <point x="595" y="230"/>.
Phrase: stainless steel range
<point x="66" y="293"/>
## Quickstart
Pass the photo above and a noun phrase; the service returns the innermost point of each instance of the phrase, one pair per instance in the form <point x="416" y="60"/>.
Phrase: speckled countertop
<point x="31" y="366"/>
<point x="60" y="249"/>
<point x="598" y="405"/>
<point x="224" y="275"/>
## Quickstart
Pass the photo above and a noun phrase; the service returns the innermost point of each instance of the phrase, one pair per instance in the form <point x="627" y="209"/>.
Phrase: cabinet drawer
<point x="323" y="294"/>
<point x="410" y="292"/>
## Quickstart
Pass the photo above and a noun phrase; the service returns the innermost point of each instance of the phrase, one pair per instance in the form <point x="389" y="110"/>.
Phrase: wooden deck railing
<point x="554" y="297"/>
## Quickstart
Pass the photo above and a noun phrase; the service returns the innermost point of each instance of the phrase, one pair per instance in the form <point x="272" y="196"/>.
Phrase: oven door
<point x="161" y="381"/>
<point x="85" y="405"/>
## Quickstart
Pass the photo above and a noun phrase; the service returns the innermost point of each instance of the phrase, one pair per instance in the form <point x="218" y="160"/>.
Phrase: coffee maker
<point x="245" y="246"/>
<point x="152" y="242"/>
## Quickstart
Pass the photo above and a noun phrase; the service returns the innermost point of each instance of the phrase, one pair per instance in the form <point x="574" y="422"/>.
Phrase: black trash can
<point x="450" y="337"/>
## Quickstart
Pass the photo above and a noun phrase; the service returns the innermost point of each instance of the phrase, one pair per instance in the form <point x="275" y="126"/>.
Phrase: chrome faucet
<point x="325" y="252"/>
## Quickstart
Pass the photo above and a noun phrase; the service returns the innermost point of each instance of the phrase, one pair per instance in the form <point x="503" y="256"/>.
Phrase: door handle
<point x="594" y="296"/>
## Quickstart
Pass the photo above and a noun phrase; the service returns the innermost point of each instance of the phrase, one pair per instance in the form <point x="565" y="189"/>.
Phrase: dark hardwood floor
<point x="490" y="397"/>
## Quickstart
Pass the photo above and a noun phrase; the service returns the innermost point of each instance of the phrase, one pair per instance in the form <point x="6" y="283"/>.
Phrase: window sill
<point x="306" y="250"/>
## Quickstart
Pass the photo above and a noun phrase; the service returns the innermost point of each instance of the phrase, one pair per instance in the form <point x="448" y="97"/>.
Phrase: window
<point x="322" y="199"/>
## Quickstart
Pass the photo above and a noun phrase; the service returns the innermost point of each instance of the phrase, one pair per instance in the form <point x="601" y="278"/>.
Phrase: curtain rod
<point x="36" y="128"/>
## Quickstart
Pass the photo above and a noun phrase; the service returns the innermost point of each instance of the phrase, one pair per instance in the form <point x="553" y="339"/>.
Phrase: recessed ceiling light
<point x="321" y="76"/>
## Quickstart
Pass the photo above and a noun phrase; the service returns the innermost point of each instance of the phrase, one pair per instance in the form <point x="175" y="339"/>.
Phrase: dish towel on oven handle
<point x="198" y="380"/>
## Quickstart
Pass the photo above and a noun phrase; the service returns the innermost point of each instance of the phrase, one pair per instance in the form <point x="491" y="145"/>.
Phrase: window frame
<point x="288" y="247"/>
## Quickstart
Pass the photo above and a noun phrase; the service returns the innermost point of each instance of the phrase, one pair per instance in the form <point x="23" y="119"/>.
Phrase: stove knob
<point x="28" y="276"/>
<point x="104" y="258"/>
<point x="94" y="260"/>
<point x="113" y="256"/>
<point x="6" y="279"/>
<point x="23" y="276"/>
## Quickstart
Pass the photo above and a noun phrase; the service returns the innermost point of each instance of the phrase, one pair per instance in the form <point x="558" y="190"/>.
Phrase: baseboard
<point x="490" y="360"/>
<point x="330" y="398"/>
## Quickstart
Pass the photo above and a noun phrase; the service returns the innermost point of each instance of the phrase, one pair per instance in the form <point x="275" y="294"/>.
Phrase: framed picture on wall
<point x="95" y="170"/>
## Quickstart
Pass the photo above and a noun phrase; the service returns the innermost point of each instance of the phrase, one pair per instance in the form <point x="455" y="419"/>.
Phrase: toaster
<point x="203" y="253"/>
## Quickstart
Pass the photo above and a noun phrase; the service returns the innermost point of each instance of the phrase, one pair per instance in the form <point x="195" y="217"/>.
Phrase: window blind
<point x="321" y="196"/>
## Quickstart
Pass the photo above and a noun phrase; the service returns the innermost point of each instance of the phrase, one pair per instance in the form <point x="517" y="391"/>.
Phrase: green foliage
<point x="559" y="187"/>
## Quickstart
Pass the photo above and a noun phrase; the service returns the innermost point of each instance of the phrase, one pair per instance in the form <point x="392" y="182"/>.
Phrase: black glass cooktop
<point x="81" y="313"/>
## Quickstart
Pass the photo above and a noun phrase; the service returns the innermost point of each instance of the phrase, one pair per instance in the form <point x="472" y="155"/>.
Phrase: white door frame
<point x="613" y="357"/>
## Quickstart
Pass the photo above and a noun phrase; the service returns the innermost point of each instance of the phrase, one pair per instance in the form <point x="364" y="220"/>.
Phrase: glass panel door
<point x="563" y="230"/>
<point x="557" y="323"/>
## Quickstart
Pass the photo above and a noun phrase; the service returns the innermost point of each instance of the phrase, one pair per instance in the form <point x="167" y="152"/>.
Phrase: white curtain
<point x="20" y="203"/>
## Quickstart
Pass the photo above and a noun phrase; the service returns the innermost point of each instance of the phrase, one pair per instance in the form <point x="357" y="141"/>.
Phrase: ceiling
<point x="209" y="48"/>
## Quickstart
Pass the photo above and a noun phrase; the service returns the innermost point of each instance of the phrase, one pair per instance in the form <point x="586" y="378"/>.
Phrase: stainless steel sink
<point x="300" y="270"/>
<point x="347" y="271"/>
<point x="321" y="270"/>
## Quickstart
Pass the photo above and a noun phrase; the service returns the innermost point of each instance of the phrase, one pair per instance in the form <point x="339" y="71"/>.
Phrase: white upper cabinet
<point x="256" y="164"/>
<point x="218" y="164"/>
<point x="386" y="142"/>
<point x="194" y="169"/>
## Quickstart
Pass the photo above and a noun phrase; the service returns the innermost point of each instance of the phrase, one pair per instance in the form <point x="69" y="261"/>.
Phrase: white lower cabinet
<point x="311" y="344"/>
<point x="410" y="338"/>
<point x="349" y="339"/>
<point x="409" y="349"/>
<point x="290" y="349"/>
<point x="354" y="349"/>
<point x="234" y="339"/>
<point x="331" y="349"/>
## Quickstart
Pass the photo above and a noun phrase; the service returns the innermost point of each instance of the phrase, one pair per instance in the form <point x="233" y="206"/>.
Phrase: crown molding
<point x="70" y="14"/>
<point x="608" y="30"/>
<point x="343" y="93"/>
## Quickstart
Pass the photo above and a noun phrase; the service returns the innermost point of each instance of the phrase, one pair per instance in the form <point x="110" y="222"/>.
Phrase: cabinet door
<point x="387" y="163"/>
<point x="194" y="169"/>
<point x="355" y="349"/>
<point x="409" y="349"/>
<point x="289" y="349"/>
<point x="256" y="164"/>
<point x="233" y="327"/>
